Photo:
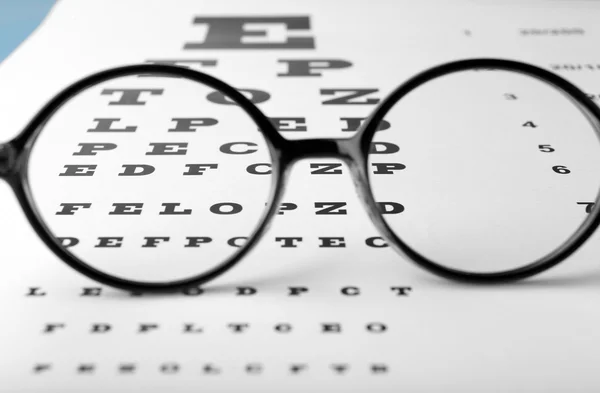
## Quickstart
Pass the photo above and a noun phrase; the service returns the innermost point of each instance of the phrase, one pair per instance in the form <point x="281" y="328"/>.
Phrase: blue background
<point x="18" y="19"/>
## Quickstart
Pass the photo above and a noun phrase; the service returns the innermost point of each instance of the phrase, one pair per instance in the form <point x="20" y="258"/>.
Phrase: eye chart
<point x="145" y="183"/>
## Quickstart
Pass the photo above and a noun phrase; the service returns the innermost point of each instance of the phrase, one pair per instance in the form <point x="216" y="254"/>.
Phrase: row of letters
<point x="205" y="241"/>
<point x="171" y="368"/>
<point x="233" y="148"/>
<point x="56" y="328"/>
<point x="316" y="66"/>
<point x="339" y="96"/>
<point x="261" y="168"/>
<point x="336" y="96"/>
<point x="402" y="291"/>
<point x="192" y="124"/>
<point x="223" y="208"/>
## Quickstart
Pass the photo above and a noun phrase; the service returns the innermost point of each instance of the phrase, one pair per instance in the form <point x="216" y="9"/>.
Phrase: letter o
<point x="255" y="96"/>
<point x="376" y="327"/>
<point x="233" y="241"/>
<point x="283" y="327"/>
<point x="217" y="208"/>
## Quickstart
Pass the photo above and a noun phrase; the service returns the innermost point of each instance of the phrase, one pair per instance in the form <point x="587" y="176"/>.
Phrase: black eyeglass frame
<point x="14" y="159"/>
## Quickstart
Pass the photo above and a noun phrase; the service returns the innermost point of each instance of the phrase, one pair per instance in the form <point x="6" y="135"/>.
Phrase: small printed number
<point x="546" y="148"/>
<point x="563" y="170"/>
<point x="588" y="206"/>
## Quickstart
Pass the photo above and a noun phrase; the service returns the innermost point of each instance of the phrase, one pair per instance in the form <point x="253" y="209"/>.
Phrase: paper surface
<point x="346" y="318"/>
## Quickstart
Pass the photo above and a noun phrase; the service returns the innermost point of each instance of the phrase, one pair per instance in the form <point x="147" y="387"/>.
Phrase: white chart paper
<point x="336" y="311"/>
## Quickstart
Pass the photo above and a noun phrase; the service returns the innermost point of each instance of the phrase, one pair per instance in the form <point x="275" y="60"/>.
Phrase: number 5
<point x="546" y="148"/>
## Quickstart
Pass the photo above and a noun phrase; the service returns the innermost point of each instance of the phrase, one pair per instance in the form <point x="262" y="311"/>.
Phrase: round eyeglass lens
<point x="151" y="178"/>
<point x="495" y="169"/>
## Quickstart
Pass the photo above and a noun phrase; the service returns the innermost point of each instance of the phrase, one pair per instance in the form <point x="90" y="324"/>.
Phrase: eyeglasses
<point x="158" y="178"/>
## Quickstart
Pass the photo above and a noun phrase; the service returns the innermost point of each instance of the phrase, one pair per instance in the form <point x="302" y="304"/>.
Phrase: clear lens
<point x="151" y="179"/>
<point x="494" y="170"/>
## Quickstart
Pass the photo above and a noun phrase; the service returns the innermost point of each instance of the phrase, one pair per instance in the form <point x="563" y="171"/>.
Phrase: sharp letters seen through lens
<point x="147" y="178"/>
